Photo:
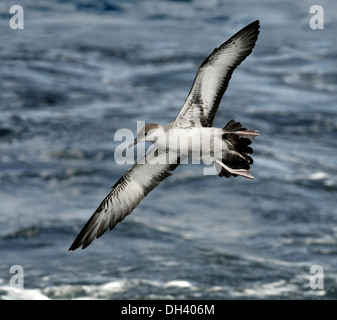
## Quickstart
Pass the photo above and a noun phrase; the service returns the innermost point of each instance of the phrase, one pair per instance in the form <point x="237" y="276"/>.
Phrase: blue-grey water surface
<point x="80" y="70"/>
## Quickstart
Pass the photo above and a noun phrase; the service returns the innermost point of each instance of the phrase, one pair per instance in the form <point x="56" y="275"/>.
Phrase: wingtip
<point x="250" y="32"/>
<point x="254" y="23"/>
<point x="73" y="247"/>
<point x="76" y="245"/>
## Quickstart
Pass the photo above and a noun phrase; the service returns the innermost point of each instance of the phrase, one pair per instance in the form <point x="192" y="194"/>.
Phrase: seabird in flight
<point x="228" y="148"/>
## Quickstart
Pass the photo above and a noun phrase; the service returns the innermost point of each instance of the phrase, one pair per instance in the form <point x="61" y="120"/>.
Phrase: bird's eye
<point x="145" y="134"/>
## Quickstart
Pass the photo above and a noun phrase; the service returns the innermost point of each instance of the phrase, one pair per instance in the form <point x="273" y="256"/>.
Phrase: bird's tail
<point x="237" y="157"/>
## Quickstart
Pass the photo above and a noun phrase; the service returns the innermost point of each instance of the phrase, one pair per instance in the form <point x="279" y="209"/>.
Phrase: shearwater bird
<point x="190" y="134"/>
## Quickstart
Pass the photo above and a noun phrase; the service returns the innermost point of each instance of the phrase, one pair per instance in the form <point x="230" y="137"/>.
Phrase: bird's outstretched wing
<point x="213" y="77"/>
<point x="126" y="195"/>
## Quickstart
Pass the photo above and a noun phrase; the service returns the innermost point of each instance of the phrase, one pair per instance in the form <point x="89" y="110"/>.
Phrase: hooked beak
<point x="133" y="143"/>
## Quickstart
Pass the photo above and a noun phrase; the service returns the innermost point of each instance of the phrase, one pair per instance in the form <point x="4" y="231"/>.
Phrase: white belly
<point x="199" y="143"/>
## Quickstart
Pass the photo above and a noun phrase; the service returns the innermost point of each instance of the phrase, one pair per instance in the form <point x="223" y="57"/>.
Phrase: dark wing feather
<point x="213" y="77"/>
<point x="126" y="195"/>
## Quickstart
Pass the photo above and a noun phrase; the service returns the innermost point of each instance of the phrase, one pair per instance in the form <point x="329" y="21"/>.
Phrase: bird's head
<point x="149" y="132"/>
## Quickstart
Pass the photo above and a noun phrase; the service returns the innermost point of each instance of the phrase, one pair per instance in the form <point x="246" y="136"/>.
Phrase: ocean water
<point x="80" y="70"/>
